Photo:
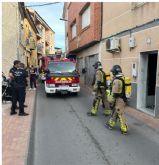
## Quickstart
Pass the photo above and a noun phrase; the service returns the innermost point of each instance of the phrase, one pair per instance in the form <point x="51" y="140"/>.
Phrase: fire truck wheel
<point x="47" y="94"/>
<point x="75" y="93"/>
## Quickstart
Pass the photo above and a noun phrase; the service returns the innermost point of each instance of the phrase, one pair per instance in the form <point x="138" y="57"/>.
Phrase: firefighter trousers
<point x="100" y="95"/>
<point x="118" y="113"/>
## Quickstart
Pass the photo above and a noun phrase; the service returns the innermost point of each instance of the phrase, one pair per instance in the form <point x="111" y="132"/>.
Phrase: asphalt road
<point x="65" y="135"/>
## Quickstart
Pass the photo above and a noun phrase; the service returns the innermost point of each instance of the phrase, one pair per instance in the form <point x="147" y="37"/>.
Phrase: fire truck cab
<point x="62" y="77"/>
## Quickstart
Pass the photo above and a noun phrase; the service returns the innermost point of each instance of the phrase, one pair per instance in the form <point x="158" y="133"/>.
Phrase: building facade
<point x="45" y="37"/>
<point x="83" y="34"/>
<point x="118" y="33"/>
<point x="129" y="38"/>
<point x="11" y="26"/>
<point x="30" y="39"/>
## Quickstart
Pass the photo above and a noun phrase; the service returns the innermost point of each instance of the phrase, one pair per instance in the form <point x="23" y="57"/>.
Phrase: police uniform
<point x="118" y="93"/>
<point x="18" y="85"/>
<point x="100" y="93"/>
<point x="12" y="70"/>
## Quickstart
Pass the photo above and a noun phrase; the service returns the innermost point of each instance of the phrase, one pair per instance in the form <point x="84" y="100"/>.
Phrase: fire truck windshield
<point x="61" y="67"/>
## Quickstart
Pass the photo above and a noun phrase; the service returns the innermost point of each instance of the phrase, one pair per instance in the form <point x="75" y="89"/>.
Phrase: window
<point x="73" y="29"/>
<point x="61" y="67"/>
<point x="86" y="17"/>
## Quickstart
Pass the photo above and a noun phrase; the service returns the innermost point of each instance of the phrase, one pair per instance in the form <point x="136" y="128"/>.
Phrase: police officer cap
<point x="16" y="62"/>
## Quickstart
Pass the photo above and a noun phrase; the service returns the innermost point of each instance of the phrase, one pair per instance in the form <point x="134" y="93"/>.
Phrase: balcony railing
<point x="40" y="31"/>
<point x="40" y="48"/>
<point x="30" y="43"/>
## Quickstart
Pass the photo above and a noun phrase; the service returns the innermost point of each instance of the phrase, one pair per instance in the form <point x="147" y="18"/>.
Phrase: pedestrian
<point x="22" y="66"/>
<point x="18" y="89"/>
<point x="99" y="87"/>
<point x="32" y="78"/>
<point x="119" y="97"/>
<point x="11" y="78"/>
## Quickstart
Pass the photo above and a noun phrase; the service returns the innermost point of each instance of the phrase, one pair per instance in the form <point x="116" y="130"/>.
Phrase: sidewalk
<point x="16" y="132"/>
<point x="141" y="116"/>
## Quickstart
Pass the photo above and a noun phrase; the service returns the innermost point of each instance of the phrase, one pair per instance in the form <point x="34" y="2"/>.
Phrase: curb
<point x="31" y="131"/>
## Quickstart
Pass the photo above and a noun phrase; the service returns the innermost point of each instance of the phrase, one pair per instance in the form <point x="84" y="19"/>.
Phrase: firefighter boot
<point x="123" y="125"/>
<point x="111" y="123"/>
<point x="107" y="112"/>
<point x="94" y="109"/>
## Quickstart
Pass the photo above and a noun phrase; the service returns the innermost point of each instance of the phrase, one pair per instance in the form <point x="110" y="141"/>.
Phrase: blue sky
<point x="51" y="14"/>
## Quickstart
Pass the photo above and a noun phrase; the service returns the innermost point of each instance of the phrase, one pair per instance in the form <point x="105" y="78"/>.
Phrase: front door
<point x="90" y="60"/>
<point x="147" y="82"/>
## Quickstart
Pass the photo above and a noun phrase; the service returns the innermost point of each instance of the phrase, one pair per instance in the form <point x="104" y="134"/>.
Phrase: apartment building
<point x="45" y="38"/>
<point x="83" y="34"/>
<point x="12" y="34"/>
<point x="30" y="39"/>
<point x="118" y="33"/>
<point x="130" y="38"/>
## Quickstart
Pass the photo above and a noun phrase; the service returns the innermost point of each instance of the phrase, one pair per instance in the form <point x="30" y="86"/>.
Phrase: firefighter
<point x="119" y="100"/>
<point x="99" y="87"/>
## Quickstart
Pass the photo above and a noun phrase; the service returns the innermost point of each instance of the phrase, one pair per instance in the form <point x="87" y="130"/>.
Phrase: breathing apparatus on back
<point x="117" y="73"/>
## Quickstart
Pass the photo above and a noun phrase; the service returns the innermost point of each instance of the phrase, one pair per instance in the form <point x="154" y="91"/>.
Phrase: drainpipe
<point x="101" y="23"/>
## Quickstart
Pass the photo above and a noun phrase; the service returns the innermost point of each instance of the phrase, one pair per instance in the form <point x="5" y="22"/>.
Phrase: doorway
<point x="89" y="61"/>
<point x="147" y="82"/>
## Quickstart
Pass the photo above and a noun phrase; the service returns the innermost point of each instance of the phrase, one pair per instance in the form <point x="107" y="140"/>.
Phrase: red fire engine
<point x="61" y="75"/>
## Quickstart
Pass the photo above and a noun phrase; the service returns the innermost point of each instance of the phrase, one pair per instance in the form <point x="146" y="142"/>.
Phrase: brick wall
<point x="88" y="34"/>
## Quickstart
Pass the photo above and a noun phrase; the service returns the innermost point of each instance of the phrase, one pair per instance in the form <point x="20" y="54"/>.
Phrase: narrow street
<point x="65" y="135"/>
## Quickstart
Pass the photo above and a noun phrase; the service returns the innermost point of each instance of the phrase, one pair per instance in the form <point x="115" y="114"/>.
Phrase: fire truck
<point x="61" y="76"/>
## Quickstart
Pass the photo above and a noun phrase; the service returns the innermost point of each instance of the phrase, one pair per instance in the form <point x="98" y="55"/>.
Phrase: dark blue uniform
<point x="18" y="86"/>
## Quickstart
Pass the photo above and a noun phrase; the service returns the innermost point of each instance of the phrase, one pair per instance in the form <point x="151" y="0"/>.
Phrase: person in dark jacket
<point x="11" y="73"/>
<point x="32" y="78"/>
<point x="18" y="84"/>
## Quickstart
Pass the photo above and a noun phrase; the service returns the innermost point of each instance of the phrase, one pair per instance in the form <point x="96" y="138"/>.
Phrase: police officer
<point x="18" y="84"/>
<point x="33" y="74"/>
<point x="99" y="87"/>
<point x="118" y="93"/>
<point x="11" y="72"/>
<point x="22" y="66"/>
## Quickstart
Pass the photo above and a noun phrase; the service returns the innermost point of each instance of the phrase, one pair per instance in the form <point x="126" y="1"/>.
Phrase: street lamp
<point x="62" y="19"/>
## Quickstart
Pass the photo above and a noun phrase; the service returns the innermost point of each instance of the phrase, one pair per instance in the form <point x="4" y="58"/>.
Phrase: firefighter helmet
<point x="116" y="69"/>
<point x="97" y="65"/>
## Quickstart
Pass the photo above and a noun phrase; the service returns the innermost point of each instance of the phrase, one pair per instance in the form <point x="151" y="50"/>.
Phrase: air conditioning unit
<point x="132" y="42"/>
<point x="113" y="44"/>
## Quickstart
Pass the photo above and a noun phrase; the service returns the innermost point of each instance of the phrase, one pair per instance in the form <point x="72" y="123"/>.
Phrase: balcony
<point x="40" y="48"/>
<point x="40" y="32"/>
<point x="32" y="44"/>
<point x="47" y="42"/>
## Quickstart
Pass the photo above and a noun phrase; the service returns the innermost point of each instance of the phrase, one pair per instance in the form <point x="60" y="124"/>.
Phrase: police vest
<point x="19" y="78"/>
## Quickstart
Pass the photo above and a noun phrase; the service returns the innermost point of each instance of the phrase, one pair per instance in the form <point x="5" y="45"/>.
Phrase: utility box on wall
<point x="132" y="42"/>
